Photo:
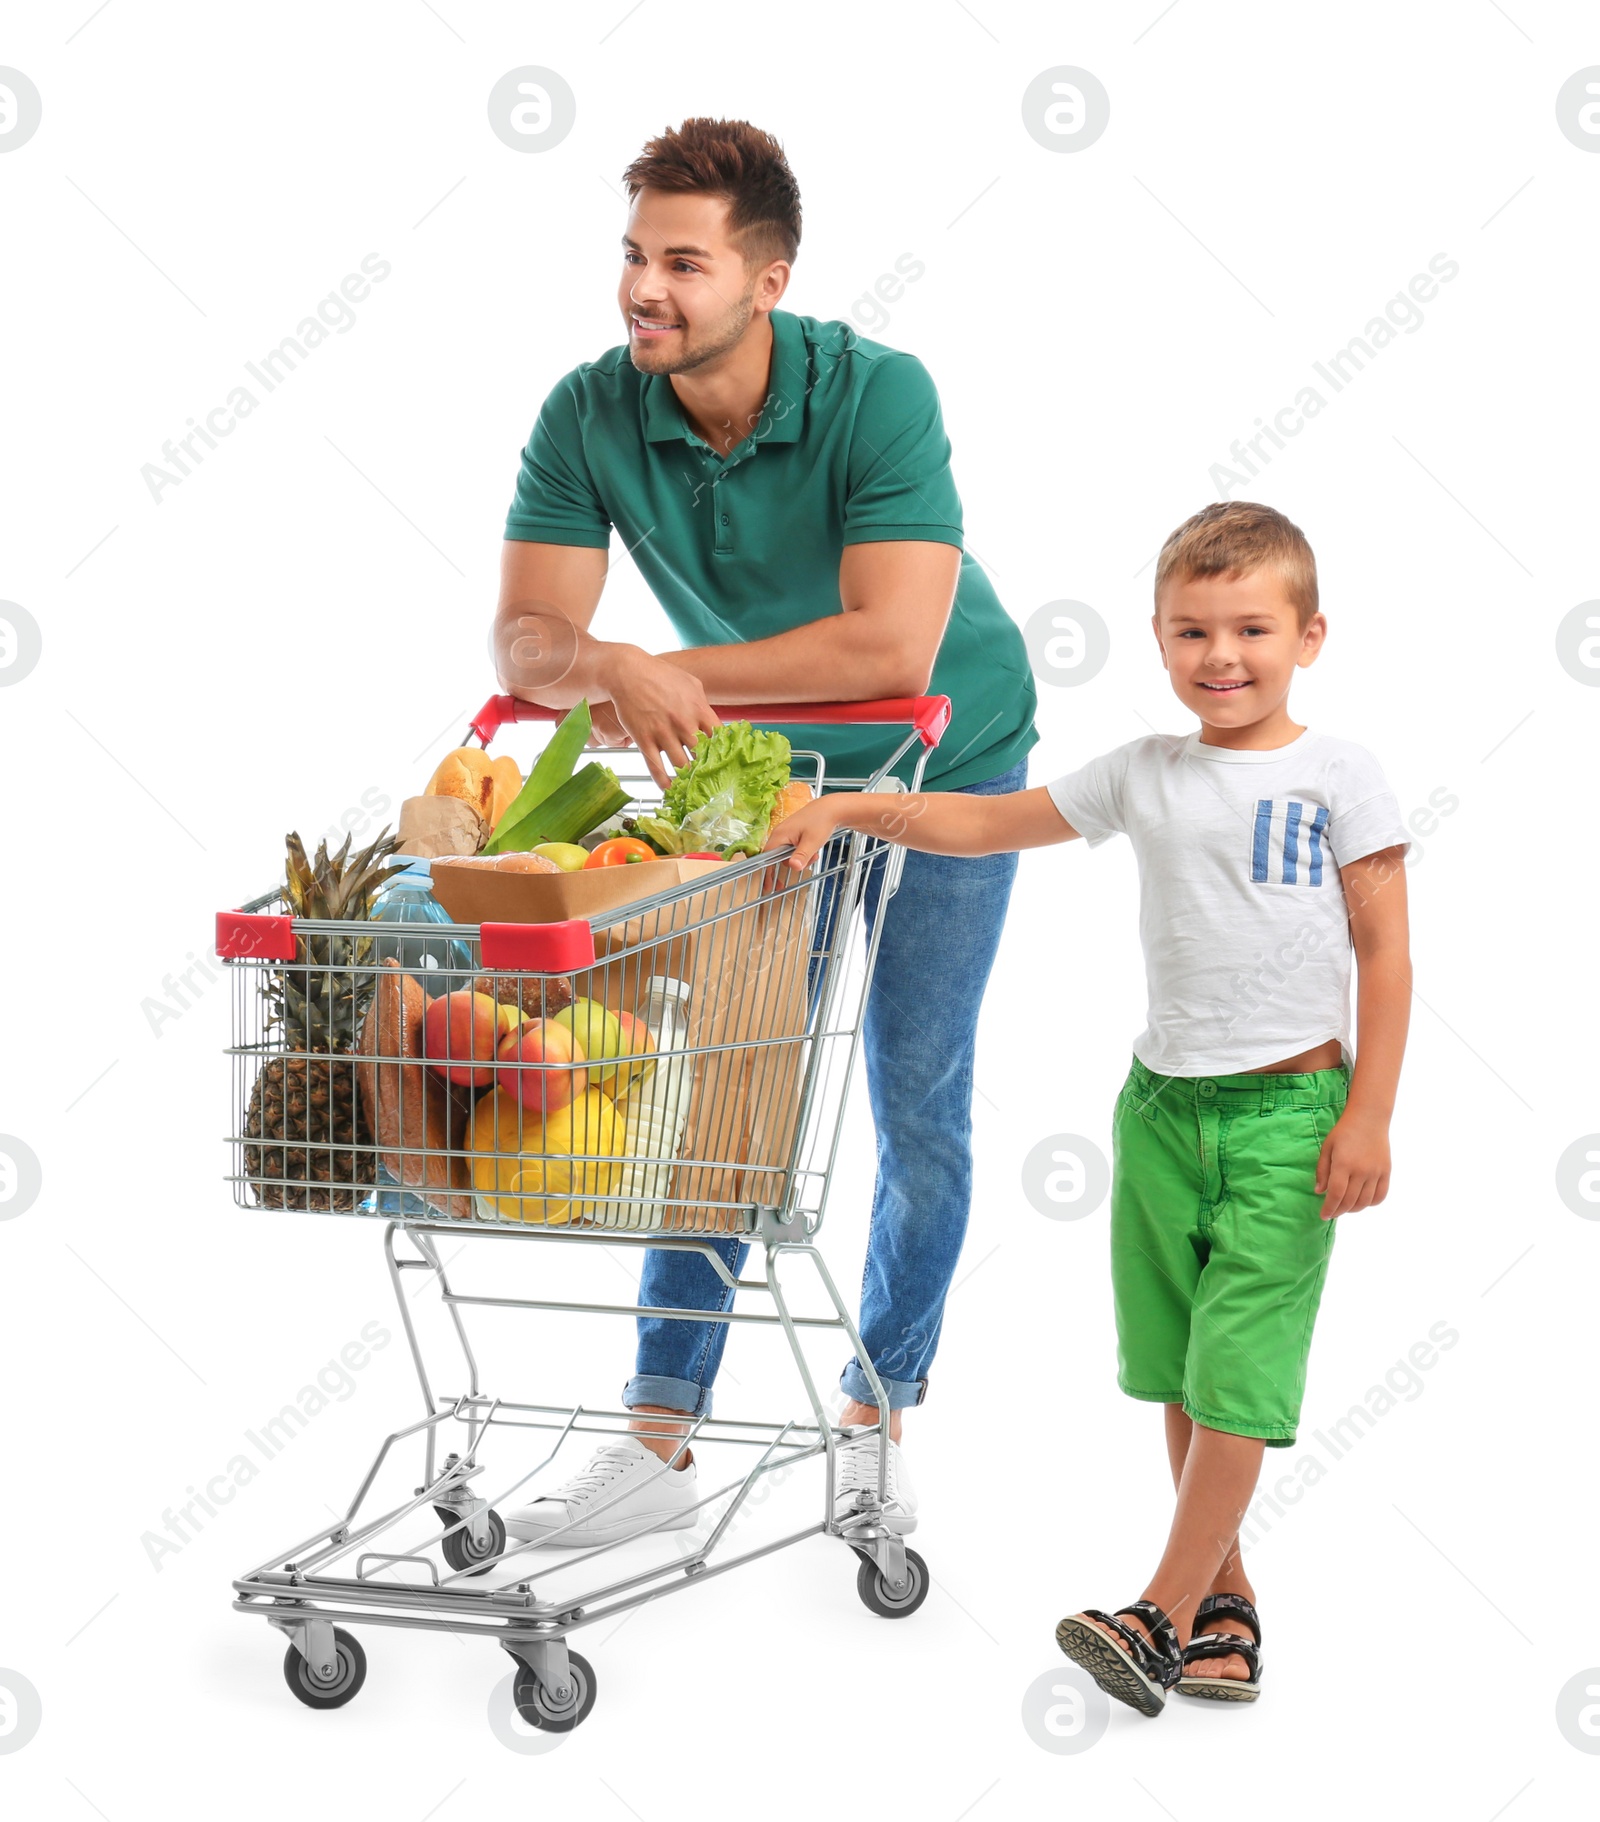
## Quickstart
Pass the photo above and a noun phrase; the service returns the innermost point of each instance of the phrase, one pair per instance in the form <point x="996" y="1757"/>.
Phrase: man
<point x="784" y="488"/>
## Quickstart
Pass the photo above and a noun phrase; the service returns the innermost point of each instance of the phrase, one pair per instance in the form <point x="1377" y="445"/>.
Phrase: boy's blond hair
<point x="1236" y="538"/>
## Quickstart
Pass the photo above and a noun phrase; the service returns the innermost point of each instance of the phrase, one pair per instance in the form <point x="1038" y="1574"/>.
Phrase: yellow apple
<point x="567" y="855"/>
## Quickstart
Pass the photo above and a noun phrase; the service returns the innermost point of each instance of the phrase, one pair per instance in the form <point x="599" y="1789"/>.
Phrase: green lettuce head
<point x="727" y="790"/>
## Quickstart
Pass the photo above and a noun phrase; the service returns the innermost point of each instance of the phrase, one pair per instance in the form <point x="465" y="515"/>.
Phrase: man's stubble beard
<point x="727" y="335"/>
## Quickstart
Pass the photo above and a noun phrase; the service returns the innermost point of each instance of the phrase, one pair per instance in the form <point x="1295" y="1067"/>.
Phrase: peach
<point x="636" y="1043"/>
<point x="535" y="1066"/>
<point x="459" y="1035"/>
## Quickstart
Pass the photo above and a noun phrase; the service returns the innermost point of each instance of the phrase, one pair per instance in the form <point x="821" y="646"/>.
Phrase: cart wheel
<point x="892" y="1603"/>
<point x="460" y="1552"/>
<point x="539" y="1709"/>
<point x="317" y="1691"/>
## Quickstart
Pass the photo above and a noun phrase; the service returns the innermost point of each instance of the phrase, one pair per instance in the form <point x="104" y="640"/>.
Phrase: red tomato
<point x="618" y="852"/>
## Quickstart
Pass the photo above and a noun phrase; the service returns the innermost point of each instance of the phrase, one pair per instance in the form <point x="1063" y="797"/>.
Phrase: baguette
<point x="407" y="1104"/>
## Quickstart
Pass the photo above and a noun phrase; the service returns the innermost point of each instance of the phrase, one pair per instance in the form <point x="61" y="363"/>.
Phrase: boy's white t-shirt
<point x="1241" y="910"/>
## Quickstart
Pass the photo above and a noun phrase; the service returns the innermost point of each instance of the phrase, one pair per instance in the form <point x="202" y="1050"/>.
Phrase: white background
<point x="303" y="619"/>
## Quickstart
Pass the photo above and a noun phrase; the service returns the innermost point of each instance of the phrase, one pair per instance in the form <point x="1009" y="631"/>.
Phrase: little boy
<point x="1266" y="851"/>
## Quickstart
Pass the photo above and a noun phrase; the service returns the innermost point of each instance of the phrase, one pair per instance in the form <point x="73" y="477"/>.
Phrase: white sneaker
<point x="856" y="1477"/>
<point x="625" y="1490"/>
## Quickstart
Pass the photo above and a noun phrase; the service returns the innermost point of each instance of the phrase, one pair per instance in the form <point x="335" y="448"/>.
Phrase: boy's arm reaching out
<point x="1353" y="1169"/>
<point x="934" y="822"/>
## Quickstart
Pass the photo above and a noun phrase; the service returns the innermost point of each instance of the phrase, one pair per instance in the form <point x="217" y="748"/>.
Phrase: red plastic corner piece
<point x="562" y="948"/>
<point x="245" y="936"/>
<point x="931" y="716"/>
<point x="492" y="717"/>
<point x="499" y="710"/>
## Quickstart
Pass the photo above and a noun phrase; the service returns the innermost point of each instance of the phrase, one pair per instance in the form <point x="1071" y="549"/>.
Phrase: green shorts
<point x="1218" y="1246"/>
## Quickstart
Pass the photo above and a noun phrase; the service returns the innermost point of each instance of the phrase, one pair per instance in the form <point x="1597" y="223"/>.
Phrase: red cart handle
<point x="929" y="715"/>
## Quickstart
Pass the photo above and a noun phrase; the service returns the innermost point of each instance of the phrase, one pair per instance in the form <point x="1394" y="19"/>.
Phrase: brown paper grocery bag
<point x="748" y="999"/>
<point x="776" y="1062"/>
<point x="741" y="948"/>
<point x="697" y="939"/>
<point x="431" y="827"/>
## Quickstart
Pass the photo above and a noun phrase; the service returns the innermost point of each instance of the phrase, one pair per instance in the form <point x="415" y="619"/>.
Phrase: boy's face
<point x="1232" y="645"/>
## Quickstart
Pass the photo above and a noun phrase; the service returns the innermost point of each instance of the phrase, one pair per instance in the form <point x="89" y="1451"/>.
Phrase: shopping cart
<point x="758" y="979"/>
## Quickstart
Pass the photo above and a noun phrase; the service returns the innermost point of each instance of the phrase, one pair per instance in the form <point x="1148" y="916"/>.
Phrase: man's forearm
<point x="843" y="658"/>
<point x="541" y="656"/>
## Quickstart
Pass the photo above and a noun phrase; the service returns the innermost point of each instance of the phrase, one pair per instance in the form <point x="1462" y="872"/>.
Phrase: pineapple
<point x="318" y="1015"/>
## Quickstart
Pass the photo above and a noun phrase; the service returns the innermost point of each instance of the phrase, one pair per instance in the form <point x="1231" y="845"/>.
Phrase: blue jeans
<point x="940" y="933"/>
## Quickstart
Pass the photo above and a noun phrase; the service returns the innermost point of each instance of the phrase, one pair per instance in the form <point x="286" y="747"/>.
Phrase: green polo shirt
<point x="850" y="449"/>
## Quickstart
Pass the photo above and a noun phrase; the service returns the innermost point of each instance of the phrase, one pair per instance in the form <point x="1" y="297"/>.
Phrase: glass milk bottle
<point x="656" y="1110"/>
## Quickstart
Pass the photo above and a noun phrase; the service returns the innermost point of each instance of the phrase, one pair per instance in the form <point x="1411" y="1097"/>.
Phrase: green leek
<point x="551" y="769"/>
<point x="570" y="811"/>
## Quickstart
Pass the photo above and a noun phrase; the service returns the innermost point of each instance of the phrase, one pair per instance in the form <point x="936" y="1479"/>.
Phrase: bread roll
<point x="507" y="783"/>
<point x="790" y="798"/>
<point x="466" y="774"/>
<point x="525" y="863"/>
<point x="539" y="996"/>
<point x="506" y="863"/>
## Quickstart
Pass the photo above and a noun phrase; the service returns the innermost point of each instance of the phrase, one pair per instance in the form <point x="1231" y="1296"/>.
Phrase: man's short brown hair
<point x="741" y="164"/>
<point x="1235" y="538"/>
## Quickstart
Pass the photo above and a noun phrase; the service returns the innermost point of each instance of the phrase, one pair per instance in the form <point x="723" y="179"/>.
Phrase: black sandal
<point x="1136" y="1671"/>
<point x="1221" y="1645"/>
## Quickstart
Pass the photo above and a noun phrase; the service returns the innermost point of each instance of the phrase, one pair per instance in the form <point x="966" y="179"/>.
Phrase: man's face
<point x="1232" y="645"/>
<point x="686" y="295"/>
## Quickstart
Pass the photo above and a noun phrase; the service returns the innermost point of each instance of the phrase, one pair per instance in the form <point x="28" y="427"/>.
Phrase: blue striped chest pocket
<point x="1288" y="842"/>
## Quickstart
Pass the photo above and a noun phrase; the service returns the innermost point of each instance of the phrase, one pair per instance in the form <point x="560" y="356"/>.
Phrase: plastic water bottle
<point x="408" y="898"/>
<point x="657" y="1110"/>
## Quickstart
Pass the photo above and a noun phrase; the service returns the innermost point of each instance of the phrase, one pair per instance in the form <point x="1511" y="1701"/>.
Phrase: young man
<point x="1266" y="852"/>
<point x="784" y="488"/>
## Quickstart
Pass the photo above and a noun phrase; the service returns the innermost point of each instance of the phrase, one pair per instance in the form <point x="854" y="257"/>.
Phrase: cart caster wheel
<point x="540" y="1709"/>
<point x="460" y="1552"/>
<point x="892" y="1603"/>
<point x="317" y="1691"/>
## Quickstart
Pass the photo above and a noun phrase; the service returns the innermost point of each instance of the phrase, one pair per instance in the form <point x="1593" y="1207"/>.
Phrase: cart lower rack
<point x="711" y="1029"/>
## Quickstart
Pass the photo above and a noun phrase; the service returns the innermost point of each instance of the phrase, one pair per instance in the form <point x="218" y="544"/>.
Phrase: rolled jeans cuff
<point x="900" y="1392"/>
<point x="675" y="1394"/>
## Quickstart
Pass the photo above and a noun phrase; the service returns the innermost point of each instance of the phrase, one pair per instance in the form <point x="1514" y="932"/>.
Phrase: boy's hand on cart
<point x="1353" y="1165"/>
<point x="662" y="707"/>
<point x="809" y="829"/>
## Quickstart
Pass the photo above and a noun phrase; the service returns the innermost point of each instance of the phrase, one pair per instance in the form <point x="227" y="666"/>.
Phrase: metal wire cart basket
<point x="718" y="1022"/>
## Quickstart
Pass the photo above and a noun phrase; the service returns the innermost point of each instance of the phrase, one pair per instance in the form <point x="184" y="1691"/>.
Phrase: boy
<point x="1245" y="1127"/>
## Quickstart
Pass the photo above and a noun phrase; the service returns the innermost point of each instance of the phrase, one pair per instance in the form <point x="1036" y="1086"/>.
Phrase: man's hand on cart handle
<point x="605" y="727"/>
<point x="660" y="707"/>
